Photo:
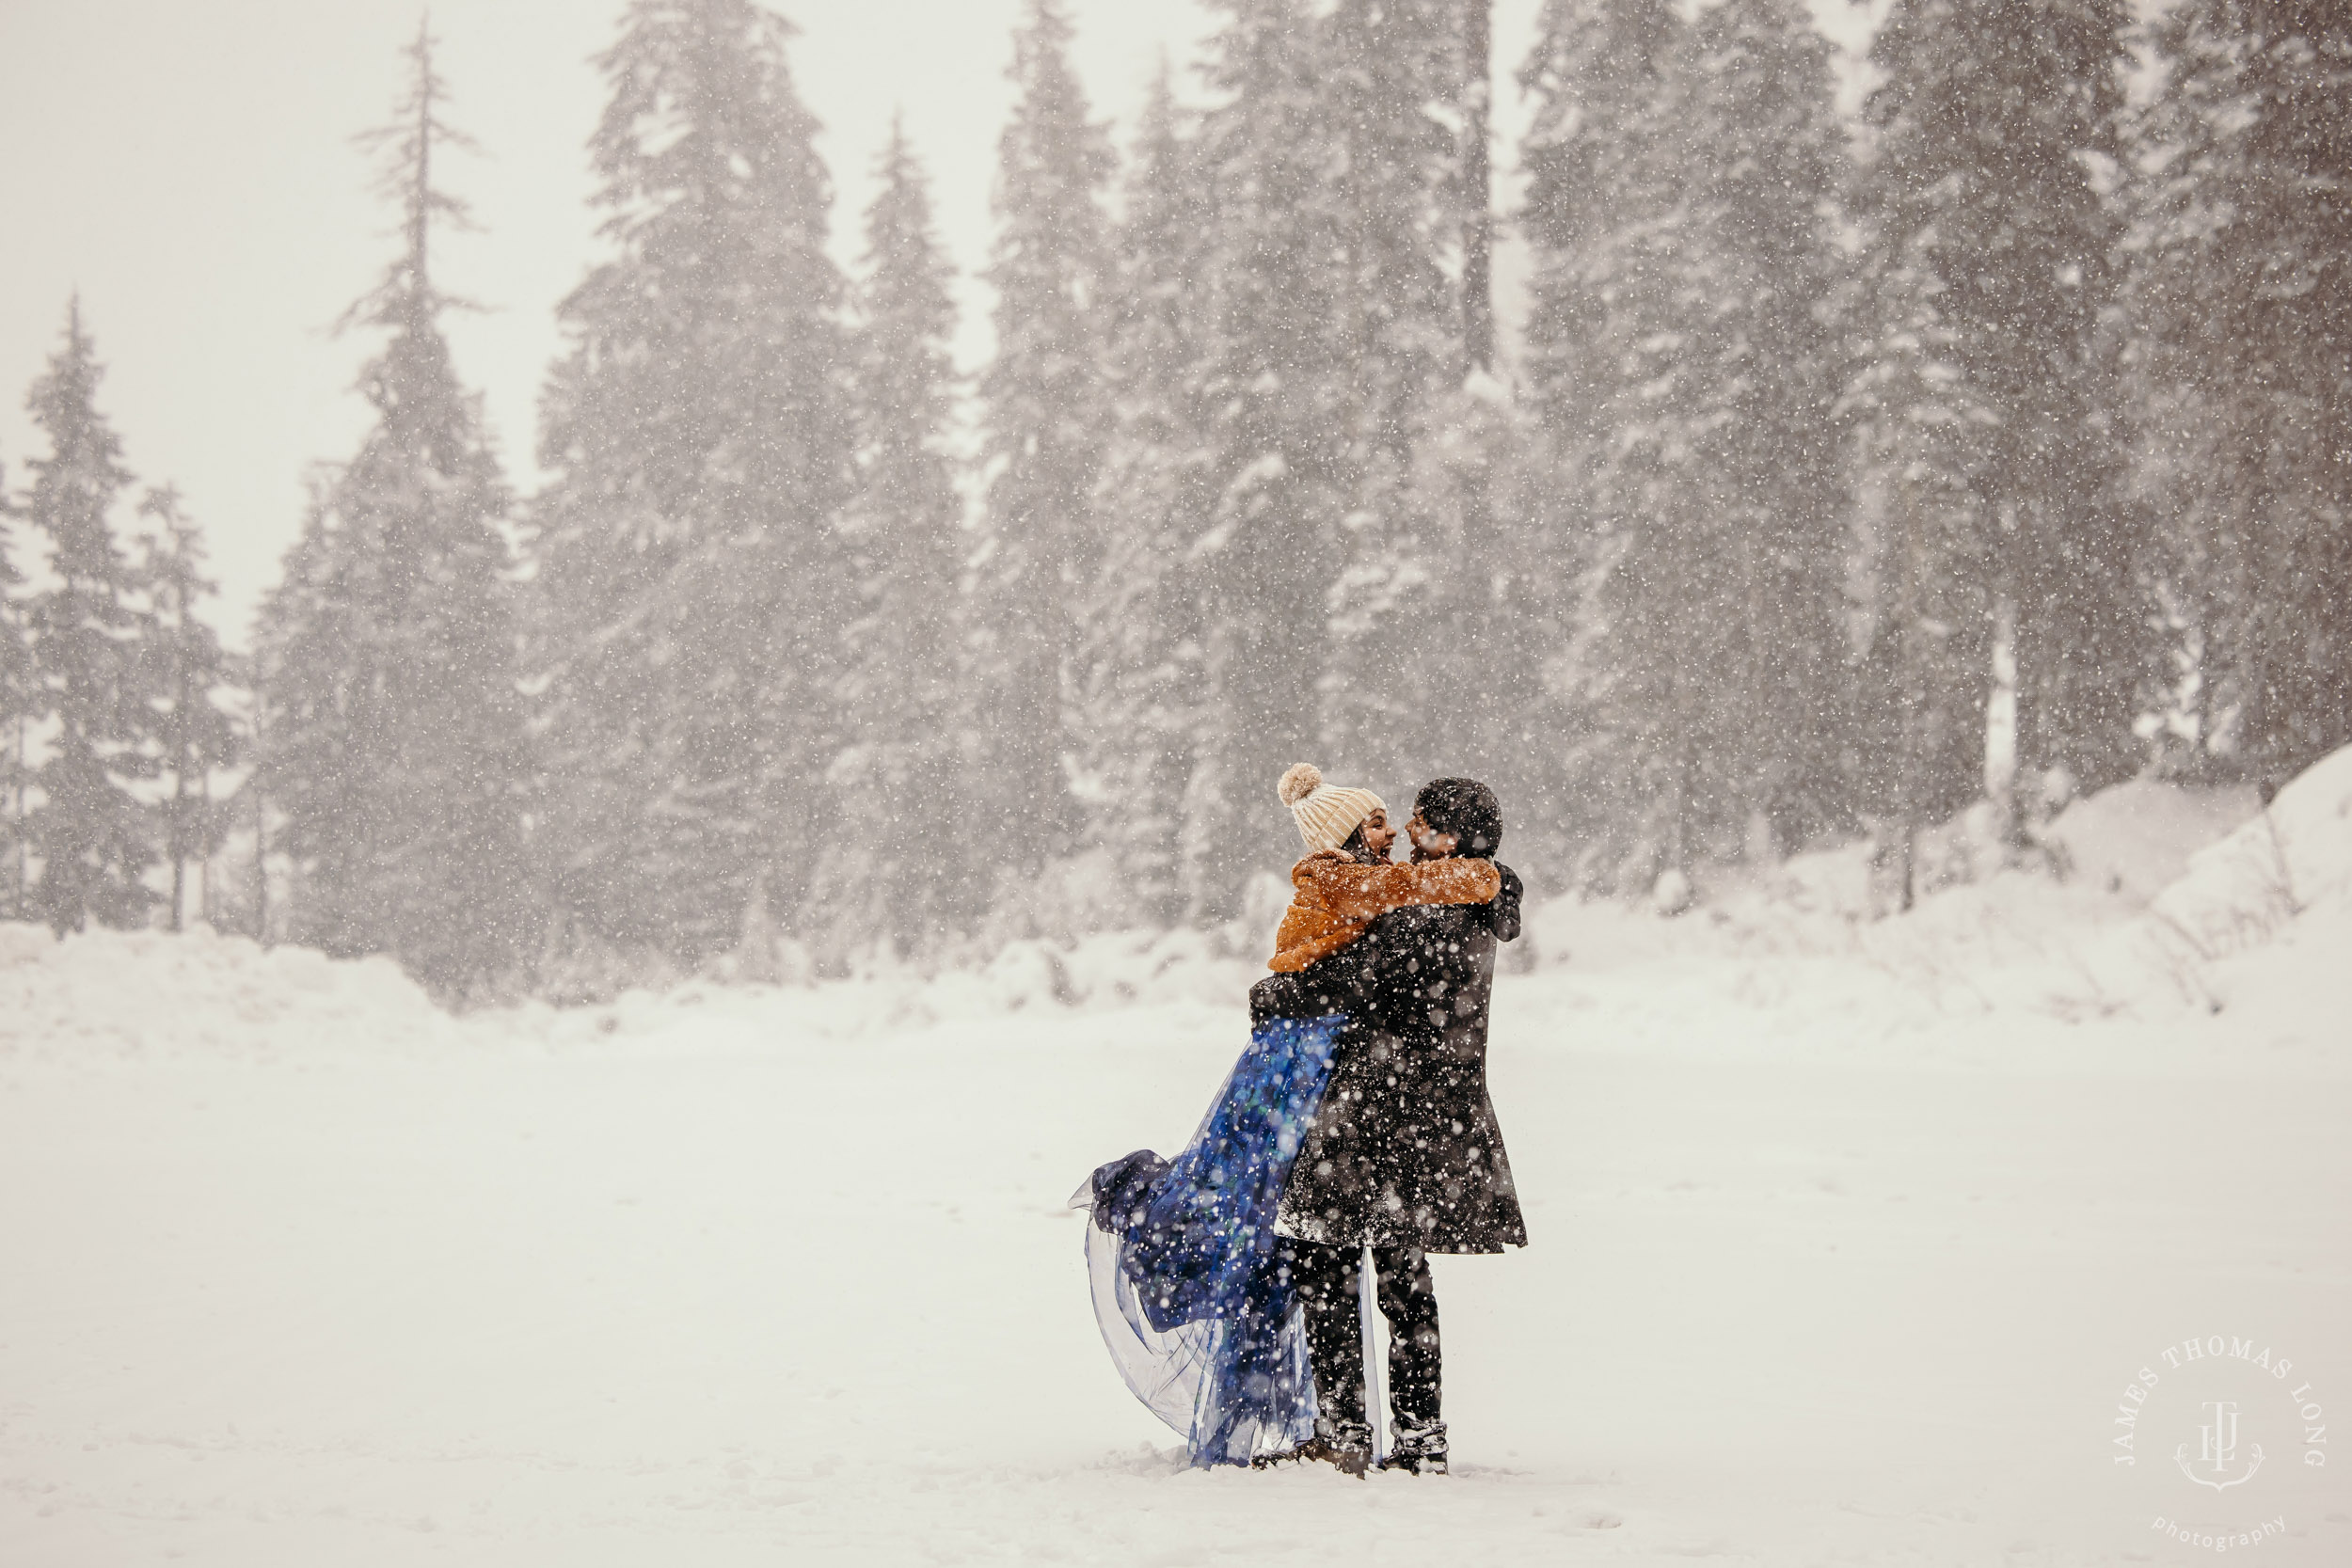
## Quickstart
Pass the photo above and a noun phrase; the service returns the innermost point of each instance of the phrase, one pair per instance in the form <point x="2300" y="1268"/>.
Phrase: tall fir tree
<point x="397" y="752"/>
<point x="1715" y="618"/>
<point x="1766" y="392"/>
<point x="186" y="667"/>
<point x="2241" y="292"/>
<point x="893" y="864"/>
<point x="1042" y="399"/>
<point x="1394" y="688"/>
<point x="1138" y="665"/>
<point x="1595" y="75"/>
<point x="1477" y="178"/>
<point x="694" y="589"/>
<point x="1270" y="539"/>
<point x="1919" y="700"/>
<point x="1603" y="217"/>
<point x="1991" y="130"/>
<point x="93" y="837"/>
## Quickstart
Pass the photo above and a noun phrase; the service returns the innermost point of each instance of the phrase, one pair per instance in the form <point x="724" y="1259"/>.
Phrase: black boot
<point x="1420" y="1449"/>
<point x="1348" y="1451"/>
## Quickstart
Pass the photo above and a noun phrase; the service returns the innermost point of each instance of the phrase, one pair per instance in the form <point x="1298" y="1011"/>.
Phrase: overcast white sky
<point x="188" y="168"/>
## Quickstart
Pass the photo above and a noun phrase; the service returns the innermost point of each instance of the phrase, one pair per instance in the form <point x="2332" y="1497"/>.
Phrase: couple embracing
<point x="1235" y="1283"/>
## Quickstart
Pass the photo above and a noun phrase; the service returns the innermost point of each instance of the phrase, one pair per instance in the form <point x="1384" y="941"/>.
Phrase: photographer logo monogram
<point x="2242" y="1395"/>
<point x="2219" y="1449"/>
<point x="2217" y="1412"/>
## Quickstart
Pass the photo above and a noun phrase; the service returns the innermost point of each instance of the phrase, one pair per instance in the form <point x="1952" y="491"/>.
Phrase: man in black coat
<point x="1404" y="1154"/>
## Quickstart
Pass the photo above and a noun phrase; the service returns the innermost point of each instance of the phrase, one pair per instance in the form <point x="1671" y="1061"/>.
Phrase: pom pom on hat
<point x="1301" y="779"/>
<point x="1327" y="814"/>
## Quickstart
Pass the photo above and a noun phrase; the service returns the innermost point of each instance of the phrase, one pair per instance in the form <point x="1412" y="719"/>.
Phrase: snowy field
<point x="1847" y="1238"/>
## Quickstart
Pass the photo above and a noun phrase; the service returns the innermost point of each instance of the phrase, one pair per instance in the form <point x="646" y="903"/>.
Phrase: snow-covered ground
<point x="1848" y="1238"/>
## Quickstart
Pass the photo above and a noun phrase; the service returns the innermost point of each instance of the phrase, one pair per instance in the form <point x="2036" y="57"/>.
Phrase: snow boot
<point x="1420" y="1449"/>
<point x="1346" y="1448"/>
<point x="1347" y="1458"/>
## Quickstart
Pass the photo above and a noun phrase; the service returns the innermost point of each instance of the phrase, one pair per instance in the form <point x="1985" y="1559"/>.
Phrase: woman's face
<point x="1378" y="835"/>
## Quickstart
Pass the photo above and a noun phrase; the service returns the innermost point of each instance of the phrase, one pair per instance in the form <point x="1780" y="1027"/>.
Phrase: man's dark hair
<point x="1464" y="808"/>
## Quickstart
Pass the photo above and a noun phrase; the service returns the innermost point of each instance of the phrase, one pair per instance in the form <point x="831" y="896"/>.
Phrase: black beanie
<point x="1464" y="808"/>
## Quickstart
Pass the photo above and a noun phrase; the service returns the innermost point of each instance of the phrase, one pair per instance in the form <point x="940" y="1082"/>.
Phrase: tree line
<point x="1840" y="473"/>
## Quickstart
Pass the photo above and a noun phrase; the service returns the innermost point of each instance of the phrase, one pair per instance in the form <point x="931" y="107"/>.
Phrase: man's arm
<point x="1502" y="915"/>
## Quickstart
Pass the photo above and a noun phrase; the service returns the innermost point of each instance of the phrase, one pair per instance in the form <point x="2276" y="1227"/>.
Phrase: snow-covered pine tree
<point x="1991" y="127"/>
<point x="1594" y="73"/>
<point x="397" y="753"/>
<point x="892" y="863"/>
<point x="92" y="834"/>
<point x="1396" y="684"/>
<point x="1485" y="626"/>
<point x="1271" y="540"/>
<point x="1477" y="176"/>
<point x="693" y="586"/>
<point x="186" y="666"/>
<point x="1918" y="704"/>
<point x="1720" y="618"/>
<point x="1042" y="399"/>
<point x="1603" y="215"/>
<point x="1137" y="667"/>
<point x="2241" y="291"/>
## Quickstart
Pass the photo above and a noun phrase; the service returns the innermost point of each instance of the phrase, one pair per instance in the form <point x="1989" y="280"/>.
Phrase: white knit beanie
<point x="1327" y="814"/>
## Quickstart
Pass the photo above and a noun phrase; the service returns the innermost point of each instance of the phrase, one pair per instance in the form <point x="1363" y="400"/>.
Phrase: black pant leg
<point x="1325" y="1278"/>
<point x="1408" y="1299"/>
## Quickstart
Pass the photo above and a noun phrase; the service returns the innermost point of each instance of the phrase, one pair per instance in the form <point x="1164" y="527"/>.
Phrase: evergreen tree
<point x="397" y="753"/>
<point x="694" y="588"/>
<point x="1765" y="396"/>
<point x="1396" y="685"/>
<point x="1716" y="619"/>
<point x="1591" y="156"/>
<point x="1605" y="219"/>
<point x="187" y="664"/>
<point x="89" y="831"/>
<point x="2242" y="293"/>
<point x="1991" y="125"/>
<point x="1042" y="400"/>
<point x="892" y="863"/>
<point x="1920" y="705"/>
<point x="1138" y="665"/>
<point x="1478" y="309"/>
<point x="1270" y="539"/>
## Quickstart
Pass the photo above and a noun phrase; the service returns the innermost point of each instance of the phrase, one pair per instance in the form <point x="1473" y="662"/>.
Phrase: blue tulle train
<point x="1190" y="1289"/>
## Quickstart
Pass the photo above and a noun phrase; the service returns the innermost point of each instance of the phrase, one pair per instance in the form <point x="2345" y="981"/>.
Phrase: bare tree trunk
<point x="204" y="863"/>
<point x="1912" y="680"/>
<point x="180" y="817"/>
<point x="1478" y="311"/>
<point x="261" y="832"/>
<point x="24" y="845"/>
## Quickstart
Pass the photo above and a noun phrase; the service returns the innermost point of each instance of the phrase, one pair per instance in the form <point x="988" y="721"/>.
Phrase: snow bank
<point x="2167" y="900"/>
<point x="2292" y="861"/>
<point x="104" y="996"/>
<point x="1181" y="971"/>
<point x="2136" y="839"/>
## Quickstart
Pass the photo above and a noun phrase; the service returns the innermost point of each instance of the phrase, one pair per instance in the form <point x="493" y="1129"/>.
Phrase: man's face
<point x="1428" y="844"/>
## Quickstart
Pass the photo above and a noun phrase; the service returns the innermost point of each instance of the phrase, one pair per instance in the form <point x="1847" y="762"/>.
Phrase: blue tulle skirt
<point x="1190" y="1288"/>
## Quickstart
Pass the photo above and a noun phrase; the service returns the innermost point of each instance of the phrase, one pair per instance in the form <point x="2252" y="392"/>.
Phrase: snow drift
<point x="2163" y="899"/>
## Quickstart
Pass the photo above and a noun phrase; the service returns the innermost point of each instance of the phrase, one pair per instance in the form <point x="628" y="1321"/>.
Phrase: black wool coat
<point x="1405" y="1148"/>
